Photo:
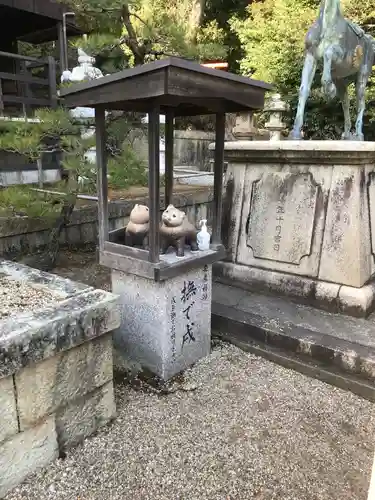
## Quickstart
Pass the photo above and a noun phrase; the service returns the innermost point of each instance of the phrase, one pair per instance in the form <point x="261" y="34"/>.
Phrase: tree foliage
<point x="145" y="29"/>
<point x="272" y="36"/>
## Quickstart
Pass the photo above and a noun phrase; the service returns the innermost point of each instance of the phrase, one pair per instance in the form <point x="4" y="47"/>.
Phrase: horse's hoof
<point x="347" y="136"/>
<point x="295" y="136"/>
<point x="358" y="137"/>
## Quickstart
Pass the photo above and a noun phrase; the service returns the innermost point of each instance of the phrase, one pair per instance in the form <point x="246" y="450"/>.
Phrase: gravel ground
<point x="235" y="427"/>
<point x="18" y="296"/>
<point x="83" y="267"/>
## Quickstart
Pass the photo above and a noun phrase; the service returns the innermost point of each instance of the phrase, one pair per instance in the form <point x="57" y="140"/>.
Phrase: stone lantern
<point x="165" y="298"/>
<point x="275" y="125"/>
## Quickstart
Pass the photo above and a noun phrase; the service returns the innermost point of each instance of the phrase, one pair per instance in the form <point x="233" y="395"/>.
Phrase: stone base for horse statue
<point x="300" y="222"/>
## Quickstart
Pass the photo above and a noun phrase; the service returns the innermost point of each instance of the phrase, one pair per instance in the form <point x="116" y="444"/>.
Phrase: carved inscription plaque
<point x="281" y="220"/>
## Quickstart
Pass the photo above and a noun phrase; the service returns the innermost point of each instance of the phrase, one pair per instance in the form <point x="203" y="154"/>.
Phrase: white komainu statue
<point x="85" y="71"/>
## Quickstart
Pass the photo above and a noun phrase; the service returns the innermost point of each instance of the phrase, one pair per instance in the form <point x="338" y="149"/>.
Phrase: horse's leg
<point x="362" y="79"/>
<point x="342" y="90"/>
<point x="329" y="88"/>
<point x="308" y="73"/>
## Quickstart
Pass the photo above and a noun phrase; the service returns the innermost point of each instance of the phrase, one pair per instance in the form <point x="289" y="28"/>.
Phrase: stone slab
<point x="281" y="218"/>
<point x="346" y="344"/>
<point x="165" y="325"/>
<point x="346" y="255"/>
<point x="25" y="453"/>
<point x="82" y="417"/>
<point x="44" y="387"/>
<point x="320" y="152"/>
<point x="357" y="302"/>
<point x="8" y="409"/>
<point x="41" y="334"/>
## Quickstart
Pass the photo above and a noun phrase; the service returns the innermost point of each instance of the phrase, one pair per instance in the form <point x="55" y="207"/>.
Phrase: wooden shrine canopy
<point x="175" y="84"/>
<point x="33" y="21"/>
<point x="173" y="87"/>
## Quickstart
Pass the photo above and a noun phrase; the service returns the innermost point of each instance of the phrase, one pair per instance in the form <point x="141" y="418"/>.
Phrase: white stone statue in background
<point x="85" y="71"/>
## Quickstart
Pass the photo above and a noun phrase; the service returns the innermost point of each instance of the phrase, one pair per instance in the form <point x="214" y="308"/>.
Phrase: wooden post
<point x="101" y="160"/>
<point x="1" y="99"/>
<point x="169" y="140"/>
<point x="218" y="177"/>
<point x="52" y="82"/>
<point x="154" y="182"/>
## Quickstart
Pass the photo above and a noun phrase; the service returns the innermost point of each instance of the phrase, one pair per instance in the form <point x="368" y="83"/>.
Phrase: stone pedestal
<point x="165" y="325"/>
<point x="56" y="370"/>
<point x="300" y="221"/>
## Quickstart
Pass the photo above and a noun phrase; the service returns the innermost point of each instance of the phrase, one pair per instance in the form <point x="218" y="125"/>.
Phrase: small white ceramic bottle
<point x="203" y="237"/>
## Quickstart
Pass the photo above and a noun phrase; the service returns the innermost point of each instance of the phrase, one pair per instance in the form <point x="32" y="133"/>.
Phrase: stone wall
<point x="18" y="169"/>
<point x="191" y="148"/>
<point x="56" y="372"/>
<point x="22" y="234"/>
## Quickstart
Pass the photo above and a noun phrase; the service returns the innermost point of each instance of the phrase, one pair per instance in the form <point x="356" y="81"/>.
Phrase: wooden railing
<point x="23" y="98"/>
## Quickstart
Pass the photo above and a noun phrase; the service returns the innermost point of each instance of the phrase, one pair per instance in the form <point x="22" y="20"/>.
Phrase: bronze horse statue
<point x="347" y="54"/>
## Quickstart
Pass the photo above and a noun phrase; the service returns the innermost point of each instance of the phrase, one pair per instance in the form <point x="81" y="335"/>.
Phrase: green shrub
<point x="22" y="201"/>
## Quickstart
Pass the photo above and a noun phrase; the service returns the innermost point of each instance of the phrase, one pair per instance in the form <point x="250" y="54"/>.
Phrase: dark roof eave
<point x="50" y="34"/>
<point x="170" y="83"/>
<point x="164" y="63"/>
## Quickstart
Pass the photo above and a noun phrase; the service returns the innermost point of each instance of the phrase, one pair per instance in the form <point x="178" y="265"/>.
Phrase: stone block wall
<point x="56" y="373"/>
<point x="22" y="234"/>
<point x="191" y="148"/>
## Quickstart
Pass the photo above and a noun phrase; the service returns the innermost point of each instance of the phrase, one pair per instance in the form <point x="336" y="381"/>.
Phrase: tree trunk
<point x="138" y="50"/>
<point x="46" y="261"/>
<point x="196" y="17"/>
<point x="61" y="222"/>
<point x="40" y="172"/>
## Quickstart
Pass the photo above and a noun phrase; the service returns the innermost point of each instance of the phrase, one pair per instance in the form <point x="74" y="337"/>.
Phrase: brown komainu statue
<point x="177" y="231"/>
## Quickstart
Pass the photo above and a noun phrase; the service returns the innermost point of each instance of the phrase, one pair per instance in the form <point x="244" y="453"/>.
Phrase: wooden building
<point x="28" y="82"/>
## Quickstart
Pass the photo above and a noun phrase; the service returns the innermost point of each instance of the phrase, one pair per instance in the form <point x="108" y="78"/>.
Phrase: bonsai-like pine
<point x="50" y="130"/>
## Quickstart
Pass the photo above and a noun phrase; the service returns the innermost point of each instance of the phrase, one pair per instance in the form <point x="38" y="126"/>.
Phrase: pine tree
<point x="30" y="140"/>
<point x="142" y="30"/>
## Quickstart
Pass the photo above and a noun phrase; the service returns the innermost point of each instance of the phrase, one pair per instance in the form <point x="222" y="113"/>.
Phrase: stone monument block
<point x="300" y="221"/>
<point x="165" y="325"/>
